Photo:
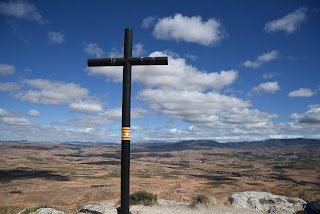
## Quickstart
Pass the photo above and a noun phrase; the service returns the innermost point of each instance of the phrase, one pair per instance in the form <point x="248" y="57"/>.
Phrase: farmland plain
<point x="68" y="176"/>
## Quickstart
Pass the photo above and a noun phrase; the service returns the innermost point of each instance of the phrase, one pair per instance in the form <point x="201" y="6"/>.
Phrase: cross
<point x="127" y="61"/>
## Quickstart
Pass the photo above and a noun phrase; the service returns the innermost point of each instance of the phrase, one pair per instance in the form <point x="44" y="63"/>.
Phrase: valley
<point x="68" y="176"/>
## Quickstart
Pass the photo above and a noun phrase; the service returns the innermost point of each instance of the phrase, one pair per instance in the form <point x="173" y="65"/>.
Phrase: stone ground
<point x="168" y="207"/>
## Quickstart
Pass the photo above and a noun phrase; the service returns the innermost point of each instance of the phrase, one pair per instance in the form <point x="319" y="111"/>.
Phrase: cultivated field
<point x="68" y="176"/>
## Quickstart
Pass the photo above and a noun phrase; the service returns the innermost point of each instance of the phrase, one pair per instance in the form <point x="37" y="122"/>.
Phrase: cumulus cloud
<point x="12" y="118"/>
<point x="302" y="92"/>
<point x="148" y="22"/>
<point x="116" y="114"/>
<point x="177" y="75"/>
<point x="311" y="116"/>
<point x="9" y="86"/>
<point x="5" y="113"/>
<point x="288" y="23"/>
<point x="34" y="113"/>
<point x="51" y="92"/>
<point x="107" y="117"/>
<point x="261" y="59"/>
<point x="189" y="29"/>
<point x="93" y="49"/>
<point x="21" y="9"/>
<point x="85" y="106"/>
<point x="56" y="37"/>
<point x="41" y="132"/>
<point x="138" y="50"/>
<point x="6" y="69"/>
<point x="268" y="87"/>
<point x="191" y="106"/>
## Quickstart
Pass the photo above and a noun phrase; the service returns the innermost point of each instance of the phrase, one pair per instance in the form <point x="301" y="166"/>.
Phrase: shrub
<point x="9" y="210"/>
<point x="144" y="198"/>
<point x="200" y="199"/>
<point x="16" y="192"/>
<point x="33" y="209"/>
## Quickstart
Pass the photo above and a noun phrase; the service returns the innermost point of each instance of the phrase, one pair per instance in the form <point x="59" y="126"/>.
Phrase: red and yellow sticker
<point x="125" y="133"/>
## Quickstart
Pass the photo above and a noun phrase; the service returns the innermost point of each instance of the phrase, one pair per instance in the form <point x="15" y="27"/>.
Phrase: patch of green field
<point x="255" y="184"/>
<point x="102" y="185"/>
<point x="34" y="159"/>
<point x="168" y="176"/>
<point x="143" y="175"/>
<point x="16" y="192"/>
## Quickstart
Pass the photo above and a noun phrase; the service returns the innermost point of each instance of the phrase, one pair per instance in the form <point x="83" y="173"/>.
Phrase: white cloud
<point x="5" y="113"/>
<point x="314" y="106"/>
<point x="261" y="59"/>
<point x="46" y="133"/>
<point x="116" y="114"/>
<point x="6" y="69"/>
<point x="246" y="116"/>
<point x="270" y="75"/>
<point x="192" y="57"/>
<point x="9" y="86"/>
<point x="288" y="23"/>
<point x="12" y="118"/>
<point x="177" y="75"/>
<point x="137" y="50"/>
<point x="51" y="92"/>
<point x="148" y="22"/>
<point x="268" y="87"/>
<point x="137" y="129"/>
<point x="312" y="116"/>
<point x="191" y="106"/>
<point x="189" y="29"/>
<point x="56" y="37"/>
<point x="93" y="49"/>
<point x="21" y="9"/>
<point x="14" y="121"/>
<point x="302" y="92"/>
<point x="107" y="117"/>
<point x="85" y="121"/>
<point x="34" y="113"/>
<point x="279" y="136"/>
<point x="85" y="107"/>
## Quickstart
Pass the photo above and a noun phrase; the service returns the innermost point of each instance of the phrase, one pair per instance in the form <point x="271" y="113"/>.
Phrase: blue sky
<point x="238" y="70"/>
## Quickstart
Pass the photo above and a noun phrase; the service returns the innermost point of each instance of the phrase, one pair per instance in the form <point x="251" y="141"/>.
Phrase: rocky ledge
<point x="266" y="202"/>
<point x="239" y="203"/>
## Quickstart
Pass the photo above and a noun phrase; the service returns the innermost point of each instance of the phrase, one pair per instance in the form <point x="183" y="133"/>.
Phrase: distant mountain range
<point x="201" y="144"/>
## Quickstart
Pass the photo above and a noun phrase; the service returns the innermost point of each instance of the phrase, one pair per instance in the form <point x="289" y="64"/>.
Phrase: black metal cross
<point x="127" y="61"/>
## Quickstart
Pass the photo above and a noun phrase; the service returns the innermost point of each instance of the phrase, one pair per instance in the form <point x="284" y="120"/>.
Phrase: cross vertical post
<point x="127" y="61"/>
<point x="126" y="104"/>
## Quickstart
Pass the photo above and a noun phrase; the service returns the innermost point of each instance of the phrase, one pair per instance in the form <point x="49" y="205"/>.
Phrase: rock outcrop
<point x="266" y="202"/>
<point x="45" y="211"/>
<point x="239" y="203"/>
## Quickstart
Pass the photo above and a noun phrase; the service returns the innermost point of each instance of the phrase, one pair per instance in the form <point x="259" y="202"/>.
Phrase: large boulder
<point x="44" y="211"/>
<point x="104" y="208"/>
<point x="266" y="202"/>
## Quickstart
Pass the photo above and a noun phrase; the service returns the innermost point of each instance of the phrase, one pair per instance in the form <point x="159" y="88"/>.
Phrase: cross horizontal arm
<point x="132" y="61"/>
<point x="149" y="61"/>
<point x="106" y="62"/>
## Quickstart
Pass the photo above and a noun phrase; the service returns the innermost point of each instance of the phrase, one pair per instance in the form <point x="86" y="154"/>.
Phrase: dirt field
<point x="67" y="176"/>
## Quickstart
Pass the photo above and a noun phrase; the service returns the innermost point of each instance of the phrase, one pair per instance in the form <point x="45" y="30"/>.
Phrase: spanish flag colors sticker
<point x="125" y="133"/>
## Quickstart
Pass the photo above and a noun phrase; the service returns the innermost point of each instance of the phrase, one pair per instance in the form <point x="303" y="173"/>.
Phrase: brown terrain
<point x="67" y="176"/>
